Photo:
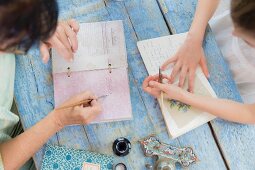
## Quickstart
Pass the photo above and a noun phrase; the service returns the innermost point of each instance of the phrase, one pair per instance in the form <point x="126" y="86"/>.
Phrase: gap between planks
<point x="218" y="145"/>
<point x="163" y="11"/>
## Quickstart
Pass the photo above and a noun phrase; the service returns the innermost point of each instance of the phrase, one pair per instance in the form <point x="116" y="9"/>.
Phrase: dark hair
<point x="23" y="22"/>
<point x="243" y="14"/>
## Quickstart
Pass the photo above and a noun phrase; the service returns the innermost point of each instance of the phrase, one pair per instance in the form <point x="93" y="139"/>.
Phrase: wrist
<point x="54" y="117"/>
<point x="196" y="37"/>
<point x="184" y="96"/>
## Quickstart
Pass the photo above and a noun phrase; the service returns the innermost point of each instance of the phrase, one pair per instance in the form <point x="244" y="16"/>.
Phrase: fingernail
<point x="74" y="50"/>
<point x="151" y="83"/>
<point x="44" y="60"/>
<point x="71" y="60"/>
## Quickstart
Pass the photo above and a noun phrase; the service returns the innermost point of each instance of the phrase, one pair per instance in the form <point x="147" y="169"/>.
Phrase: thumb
<point x="155" y="84"/>
<point x="44" y="52"/>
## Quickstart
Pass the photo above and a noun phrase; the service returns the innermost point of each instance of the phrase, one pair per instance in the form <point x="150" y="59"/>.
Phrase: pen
<point x="85" y="103"/>
<point x="160" y="80"/>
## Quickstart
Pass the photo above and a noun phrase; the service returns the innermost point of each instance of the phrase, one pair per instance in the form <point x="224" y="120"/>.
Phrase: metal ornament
<point x="167" y="155"/>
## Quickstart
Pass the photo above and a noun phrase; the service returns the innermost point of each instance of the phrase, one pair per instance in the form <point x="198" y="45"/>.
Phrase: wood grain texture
<point x="236" y="141"/>
<point x="149" y="25"/>
<point x="142" y="20"/>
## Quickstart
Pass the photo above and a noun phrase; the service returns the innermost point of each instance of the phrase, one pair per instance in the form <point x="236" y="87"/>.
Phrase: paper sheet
<point x="116" y="106"/>
<point x="179" y="117"/>
<point x="156" y="51"/>
<point x="100" y="43"/>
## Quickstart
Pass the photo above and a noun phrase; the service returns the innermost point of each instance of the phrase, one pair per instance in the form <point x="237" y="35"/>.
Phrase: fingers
<point x="203" y="64"/>
<point x="94" y="109"/>
<point x="148" y="79"/>
<point x="71" y="34"/>
<point x="63" y="36"/>
<point x="156" y="84"/>
<point x="175" y="71"/>
<point x="146" y="82"/>
<point x="154" y="78"/>
<point x="80" y="97"/>
<point x="191" y="80"/>
<point x="44" y="50"/>
<point x="61" y="49"/>
<point x="182" y="76"/>
<point x="152" y="91"/>
<point x="65" y="39"/>
<point x="90" y="113"/>
<point x="167" y="62"/>
<point x="148" y="89"/>
<point x="86" y="95"/>
<point x="74" y="24"/>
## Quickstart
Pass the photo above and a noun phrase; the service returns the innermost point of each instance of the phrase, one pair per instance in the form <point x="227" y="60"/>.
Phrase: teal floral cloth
<point x="62" y="158"/>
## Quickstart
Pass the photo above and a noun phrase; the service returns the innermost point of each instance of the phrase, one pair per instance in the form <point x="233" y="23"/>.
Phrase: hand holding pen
<point x="84" y="103"/>
<point x="80" y="109"/>
<point x="156" y="78"/>
<point x="154" y="86"/>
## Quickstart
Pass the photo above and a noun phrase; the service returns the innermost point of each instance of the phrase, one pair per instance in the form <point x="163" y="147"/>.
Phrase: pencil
<point x="85" y="103"/>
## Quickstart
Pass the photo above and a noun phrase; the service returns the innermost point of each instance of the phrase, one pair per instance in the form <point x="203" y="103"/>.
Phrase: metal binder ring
<point x="110" y="67"/>
<point x="68" y="72"/>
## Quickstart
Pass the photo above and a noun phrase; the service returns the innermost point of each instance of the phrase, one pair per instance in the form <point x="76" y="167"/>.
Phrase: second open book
<point x="179" y="118"/>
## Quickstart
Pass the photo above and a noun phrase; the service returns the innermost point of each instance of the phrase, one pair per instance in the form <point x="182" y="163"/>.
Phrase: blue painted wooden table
<point x="218" y="144"/>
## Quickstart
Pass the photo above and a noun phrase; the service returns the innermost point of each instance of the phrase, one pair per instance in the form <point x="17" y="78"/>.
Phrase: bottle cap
<point x="121" y="146"/>
<point x="120" y="166"/>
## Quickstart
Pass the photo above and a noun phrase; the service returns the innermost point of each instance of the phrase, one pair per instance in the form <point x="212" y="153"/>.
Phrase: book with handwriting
<point x="100" y="65"/>
<point x="179" y="117"/>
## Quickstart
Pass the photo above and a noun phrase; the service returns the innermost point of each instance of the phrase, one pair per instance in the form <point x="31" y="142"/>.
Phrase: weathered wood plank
<point x="141" y="16"/>
<point x="236" y="141"/>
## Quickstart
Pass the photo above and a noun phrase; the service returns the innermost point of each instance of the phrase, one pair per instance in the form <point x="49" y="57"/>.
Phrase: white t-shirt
<point x="238" y="54"/>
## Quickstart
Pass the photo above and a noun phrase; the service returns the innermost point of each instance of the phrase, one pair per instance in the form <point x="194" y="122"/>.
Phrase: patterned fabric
<point x="7" y="118"/>
<point x="57" y="157"/>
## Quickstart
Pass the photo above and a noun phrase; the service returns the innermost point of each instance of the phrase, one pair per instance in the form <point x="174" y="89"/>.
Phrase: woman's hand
<point x="154" y="88"/>
<point x="64" y="40"/>
<point x="78" y="114"/>
<point x="186" y="61"/>
<point x="26" y="144"/>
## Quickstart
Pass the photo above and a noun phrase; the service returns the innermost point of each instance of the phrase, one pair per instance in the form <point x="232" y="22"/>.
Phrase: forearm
<point x="204" y="11"/>
<point x="225" y="109"/>
<point x="17" y="151"/>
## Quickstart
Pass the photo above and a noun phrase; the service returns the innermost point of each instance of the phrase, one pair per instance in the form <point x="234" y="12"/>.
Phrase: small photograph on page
<point x="90" y="166"/>
<point x="181" y="113"/>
